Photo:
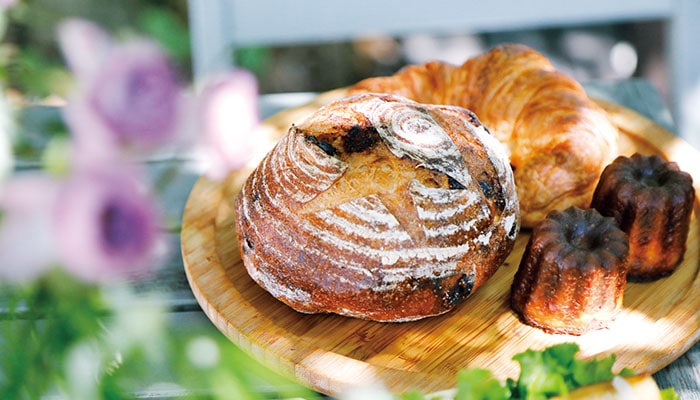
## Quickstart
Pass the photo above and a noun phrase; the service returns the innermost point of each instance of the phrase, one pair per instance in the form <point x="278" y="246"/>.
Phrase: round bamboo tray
<point x="660" y="320"/>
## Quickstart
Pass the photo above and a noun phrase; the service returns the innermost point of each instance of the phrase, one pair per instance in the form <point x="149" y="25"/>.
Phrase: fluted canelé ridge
<point x="572" y="275"/>
<point x="652" y="200"/>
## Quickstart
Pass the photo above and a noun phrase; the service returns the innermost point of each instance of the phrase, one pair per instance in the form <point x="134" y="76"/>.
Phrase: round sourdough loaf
<point x="380" y="208"/>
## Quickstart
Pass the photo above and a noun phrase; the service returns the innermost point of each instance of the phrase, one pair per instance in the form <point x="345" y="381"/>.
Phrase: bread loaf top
<point x="379" y="207"/>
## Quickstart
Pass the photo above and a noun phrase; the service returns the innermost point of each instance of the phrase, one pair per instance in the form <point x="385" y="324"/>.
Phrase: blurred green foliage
<point x="61" y="336"/>
<point x="31" y="64"/>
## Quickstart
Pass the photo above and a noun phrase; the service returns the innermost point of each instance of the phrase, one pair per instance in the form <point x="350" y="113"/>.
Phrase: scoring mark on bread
<point x="434" y="208"/>
<point x="411" y="131"/>
<point x="375" y="204"/>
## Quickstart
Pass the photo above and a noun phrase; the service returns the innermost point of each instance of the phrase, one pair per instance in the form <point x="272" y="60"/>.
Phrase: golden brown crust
<point x="572" y="276"/>
<point x="380" y="208"/>
<point x="652" y="201"/>
<point x="558" y="140"/>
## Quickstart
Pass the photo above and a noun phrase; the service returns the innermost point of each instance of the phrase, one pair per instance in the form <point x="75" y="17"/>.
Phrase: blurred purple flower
<point x="136" y="94"/>
<point x="128" y="93"/>
<point x="229" y="122"/>
<point x="26" y="236"/>
<point x="106" y="225"/>
<point x="5" y="4"/>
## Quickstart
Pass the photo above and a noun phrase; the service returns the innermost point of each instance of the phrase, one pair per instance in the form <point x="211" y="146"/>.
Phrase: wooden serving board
<point x="660" y="320"/>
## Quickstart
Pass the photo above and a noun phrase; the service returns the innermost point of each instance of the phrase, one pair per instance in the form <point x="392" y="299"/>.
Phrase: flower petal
<point x="136" y="95"/>
<point x="106" y="224"/>
<point x="5" y="4"/>
<point x="128" y="97"/>
<point x="229" y="121"/>
<point x="26" y="236"/>
<point x="84" y="45"/>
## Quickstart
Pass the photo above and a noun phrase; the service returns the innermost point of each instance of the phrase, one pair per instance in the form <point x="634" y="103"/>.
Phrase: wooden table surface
<point x="170" y="281"/>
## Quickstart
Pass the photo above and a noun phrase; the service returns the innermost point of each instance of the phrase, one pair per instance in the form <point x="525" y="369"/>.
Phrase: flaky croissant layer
<point x="558" y="140"/>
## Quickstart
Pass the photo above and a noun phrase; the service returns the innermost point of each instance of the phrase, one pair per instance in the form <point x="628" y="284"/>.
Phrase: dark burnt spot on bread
<point x="493" y="190"/>
<point x="500" y="200"/>
<point x="459" y="291"/>
<point x="454" y="185"/>
<point x="486" y="188"/>
<point x="513" y="230"/>
<point x="359" y="139"/>
<point x="327" y="147"/>
<point x="249" y="245"/>
<point x="474" y="120"/>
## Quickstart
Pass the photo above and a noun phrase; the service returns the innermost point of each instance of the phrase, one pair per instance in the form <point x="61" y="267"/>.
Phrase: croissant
<point x="379" y="208"/>
<point x="558" y="140"/>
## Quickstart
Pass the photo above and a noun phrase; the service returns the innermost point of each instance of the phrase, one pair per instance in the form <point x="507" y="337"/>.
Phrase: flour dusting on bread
<point x="378" y="207"/>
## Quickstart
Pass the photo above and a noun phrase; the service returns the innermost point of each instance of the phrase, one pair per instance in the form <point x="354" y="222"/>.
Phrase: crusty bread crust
<point x="379" y="208"/>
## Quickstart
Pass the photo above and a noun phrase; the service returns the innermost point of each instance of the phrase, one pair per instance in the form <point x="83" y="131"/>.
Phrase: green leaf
<point x="556" y="371"/>
<point x="165" y="26"/>
<point x="37" y="75"/>
<point x="56" y="156"/>
<point x="669" y="394"/>
<point x="543" y="373"/>
<point x="593" y="371"/>
<point x="411" y="395"/>
<point x="480" y="384"/>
